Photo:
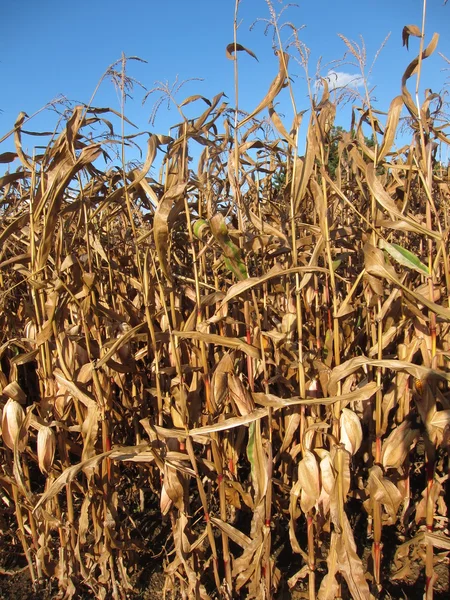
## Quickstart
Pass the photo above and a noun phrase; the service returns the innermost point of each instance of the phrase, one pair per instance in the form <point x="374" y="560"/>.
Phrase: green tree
<point x="335" y="136"/>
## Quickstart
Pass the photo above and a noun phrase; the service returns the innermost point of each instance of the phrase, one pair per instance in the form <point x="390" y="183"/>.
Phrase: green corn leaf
<point x="231" y="253"/>
<point x="405" y="257"/>
<point x="336" y="264"/>
<point x="237" y="268"/>
<point x="199" y="228"/>
<point x="234" y="261"/>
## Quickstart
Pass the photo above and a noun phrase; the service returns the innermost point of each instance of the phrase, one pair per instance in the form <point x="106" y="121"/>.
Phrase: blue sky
<point x="55" y="47"/>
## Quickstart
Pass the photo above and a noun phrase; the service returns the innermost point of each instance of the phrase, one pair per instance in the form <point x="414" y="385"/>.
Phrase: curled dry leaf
<point x="410" y="30"/>
<point x="14" y="391"/>
<point x="232" y="48"/>
<point x="390" y="131"/>
<point x="275" y="88"/>
<point x="294" y="513"/>
<point x="385" y="200"/>
<point x="240" y="395"/>
<point x="384" y="491"/>
<point x="412" y="69"/>
<point x="293" y="422"/>
<point x="351" y="431"/>
<point x="309" y="479"/>
<point x="121" y="344"/>
<point x="327" y="473"/>
<point x="170" y="204"/>
<point x="219" y="382"/>
<point x="397" y="445"/>
<point x="440" y="419"/>
<point x="278" y="123"/>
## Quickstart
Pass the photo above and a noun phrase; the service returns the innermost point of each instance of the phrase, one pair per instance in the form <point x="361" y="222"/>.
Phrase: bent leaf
<point x="405" y="257"/>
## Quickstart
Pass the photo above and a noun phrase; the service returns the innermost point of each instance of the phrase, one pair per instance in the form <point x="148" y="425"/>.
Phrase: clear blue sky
<point x="53" y="47"/>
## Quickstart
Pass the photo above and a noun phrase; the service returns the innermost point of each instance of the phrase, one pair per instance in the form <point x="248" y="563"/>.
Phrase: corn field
<point x="249" y="357"/>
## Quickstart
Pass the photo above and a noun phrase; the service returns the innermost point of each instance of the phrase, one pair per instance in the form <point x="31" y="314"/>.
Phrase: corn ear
<point x="46" y="444"/>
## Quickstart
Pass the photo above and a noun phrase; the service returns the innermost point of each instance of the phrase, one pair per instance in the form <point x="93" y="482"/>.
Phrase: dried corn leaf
<point x="275" y="88"/>
<point x="293" y="422"/>
<point x="397" y="445"/>
<point x="233" y="47"/>
<point x="440" y="419"/>
<point x="234" y="534"/>
<point x="240" y="395"/>
<point x="218" y="340"/>
<point x="76" y="391"/>
<point x="351" y="431"/>
<point x="267" y="228"/>
<point x="360" y="394"/>
<point x="353" y="364"/>
<point x="412" y="70"/>
<point x="410" y="30"/>
<point x="350" y="565"/>
<point x="219" y="382"/>
<point x="278" y="123"/>
<point x="231" y="423"/>
<point x="171" y="203"/>
<point x="118" y="344"/>
<point x="384" y="491"/>
<point x="329" y="586"/>
<point x="384" y="199"/>
<point x="239" y="288"/>
<point x="308" y="476"/>
<point x="120" y="454"/>
<point x="390" y="131"/>
<point x="258" y="460"/>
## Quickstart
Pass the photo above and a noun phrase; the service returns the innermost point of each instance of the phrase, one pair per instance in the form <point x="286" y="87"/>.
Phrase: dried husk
<point x="46" y="445"/>
<point x="12" y="419"/>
